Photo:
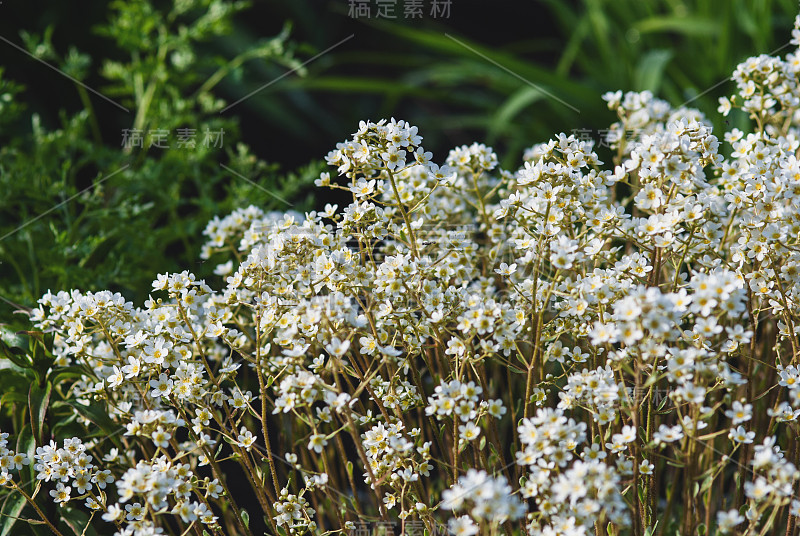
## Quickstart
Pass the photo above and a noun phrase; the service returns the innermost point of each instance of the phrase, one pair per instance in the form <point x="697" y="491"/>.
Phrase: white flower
<point x="82" y="482"/>
<point x="185" y="509"/>
<point x="739" y="412"/>
<point x="19" y="459"/>
<point x="161" y="437"/>
<point x="602" y="333"/>
<point x="161" y="282"/>
<point x="668" y="434"/>
<point x="317" y="442"/>
<point x="727" y="521"/>
<point x="758" y="490"/>
<point x="114" y="512"/>
<point x="246" y="439"/>
<point x="462" y="526"/>
<point x="135" y="512"/>
<point x="628" y="434"/>
<point x="724" y="106"/>
<point x="740" y="435"/>
<point x="469" y="431"/>
<point x="505" y="269"/>
<point x="363" y="188"/>
<point x="495" y="408"/>
<point x="161" y="386"/>
<point x="337" y="347"/>
<point x="61" y="494"/>
<point x="116" y="377"/>
<point x="646" y="468"/>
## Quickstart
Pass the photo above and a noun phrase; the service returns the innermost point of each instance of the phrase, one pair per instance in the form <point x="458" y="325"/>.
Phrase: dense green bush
<point x="83" y="206"/>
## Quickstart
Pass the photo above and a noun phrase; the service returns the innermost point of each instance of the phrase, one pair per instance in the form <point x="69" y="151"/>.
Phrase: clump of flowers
<point x="10" y="461"/>
<point x="562" y="348"/>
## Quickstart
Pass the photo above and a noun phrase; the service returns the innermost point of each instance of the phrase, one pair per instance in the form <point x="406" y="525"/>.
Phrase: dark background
<point x="314" y="119"/>
<point x="298" y="119"/>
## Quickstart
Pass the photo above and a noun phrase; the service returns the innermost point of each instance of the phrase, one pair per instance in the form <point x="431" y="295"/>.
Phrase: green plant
<point x="83" y="206"/>
<point x="513" y="94"/>
<point x="565" y="347"/>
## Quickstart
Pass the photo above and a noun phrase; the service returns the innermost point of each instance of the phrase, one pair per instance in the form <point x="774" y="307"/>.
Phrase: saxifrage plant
<point x="565" y="348"/>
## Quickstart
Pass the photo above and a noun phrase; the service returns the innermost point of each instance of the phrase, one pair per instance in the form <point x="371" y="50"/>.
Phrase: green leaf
<point x="10" y="512"/>
<point x="63" y="373"/>
<point x="695" y="26"/>
<point x="651" y="68"/>
<point x="11" y="337"/>
<point x="12" y="347"/>
<point x="12" y="396"/>
<point x="14" y="380"/>
<point x="63" y="422"/>
<point x="40" y="346"/>
<point x="99" y="417"/>
<point x="77" y="520"/>
<point x="246" y="518"/>
<point x="27" y="444"/>
<point x="521" y="99"/>
<point x="38" y="401"/>
<point x="641" y="490"/>
<point x="499" y="61"/>
<point x="709" y="480"/>
<point x="15" y="355"/>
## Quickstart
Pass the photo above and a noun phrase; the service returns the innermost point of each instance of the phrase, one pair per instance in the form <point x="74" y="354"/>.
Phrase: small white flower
<point x="363" y="188"/>
<point x="114" y="512"/>
<point x="668" y="434"/>
<point x="116" y="377"/>
<point x="462" y="526"/>
<point x="727" y="521"/>
<point x="135" y="512"/>
<point x="317" y="442"/>
<point x="161" y="437"/>
<point x="337" y="347"/>
<point x="646" y="468"/>
<point x="496" y="409"/>
<point x="469" y="431"/>
<point x="61" y="494"/>
<point x="246" y="439"/>
<point x="739" y="412"/>
<point x="740" y="435"/>
<point x="505" y="269"/>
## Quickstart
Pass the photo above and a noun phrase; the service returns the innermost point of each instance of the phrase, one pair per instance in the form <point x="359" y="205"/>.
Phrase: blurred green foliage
<point x="548" y="79"/>
<point x="79" y="209"/>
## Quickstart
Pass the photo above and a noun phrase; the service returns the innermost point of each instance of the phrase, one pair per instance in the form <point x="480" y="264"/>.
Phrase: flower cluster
<point x="626" y="333"/>
<point x="10" y="461"/>
<point x="70" y="467"/>
<point x="487" y="498"/>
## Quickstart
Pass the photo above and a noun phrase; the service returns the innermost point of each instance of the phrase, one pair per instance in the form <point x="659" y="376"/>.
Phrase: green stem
<point x="403" y="211"/>
<point x="38" y="510"/>
<point x="93" y="124"/>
